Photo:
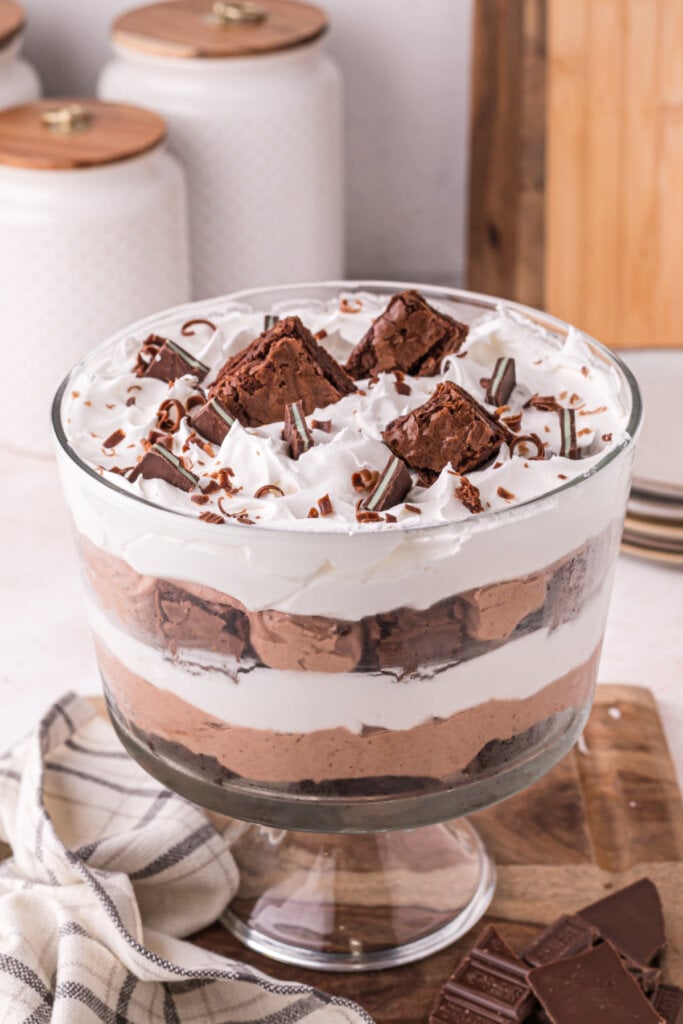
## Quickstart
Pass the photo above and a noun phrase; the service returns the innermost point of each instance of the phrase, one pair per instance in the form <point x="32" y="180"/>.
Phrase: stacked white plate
<point x="654" y="517"/>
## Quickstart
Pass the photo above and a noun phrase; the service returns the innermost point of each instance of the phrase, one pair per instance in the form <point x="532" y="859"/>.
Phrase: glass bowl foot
<point x="357" y="902"/>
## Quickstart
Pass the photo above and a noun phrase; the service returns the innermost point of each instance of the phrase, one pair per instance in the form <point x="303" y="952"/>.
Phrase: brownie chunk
<point x="409" y="336"/>
<point x="283" y="365"/>
<point x="406" y="639"/>
<point x="186" y="620"/>
<point x="450" y="427"/>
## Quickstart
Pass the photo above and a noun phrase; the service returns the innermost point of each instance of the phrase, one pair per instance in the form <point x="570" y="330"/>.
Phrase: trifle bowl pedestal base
<point x="357" y="902"/>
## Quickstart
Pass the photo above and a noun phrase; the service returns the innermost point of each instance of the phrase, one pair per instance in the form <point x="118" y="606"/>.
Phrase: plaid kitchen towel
<point x="109" y="872"/>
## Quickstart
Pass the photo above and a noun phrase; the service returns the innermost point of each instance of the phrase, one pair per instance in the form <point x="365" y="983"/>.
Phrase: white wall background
<point x="406" y="67"/>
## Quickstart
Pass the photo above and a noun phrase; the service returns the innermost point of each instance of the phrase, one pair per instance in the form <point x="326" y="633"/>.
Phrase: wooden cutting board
<point x="576" y="162"/>
<point x="608" y="814"/>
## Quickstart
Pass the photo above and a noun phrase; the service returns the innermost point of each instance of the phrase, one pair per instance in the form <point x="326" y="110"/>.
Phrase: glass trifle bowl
<point x="293" y="632"/>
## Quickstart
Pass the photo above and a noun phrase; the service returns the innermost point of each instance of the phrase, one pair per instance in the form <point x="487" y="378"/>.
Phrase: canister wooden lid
<point x="12" y="20"/>
<point x="218" y="28"/>
<point x="70" y="133"/>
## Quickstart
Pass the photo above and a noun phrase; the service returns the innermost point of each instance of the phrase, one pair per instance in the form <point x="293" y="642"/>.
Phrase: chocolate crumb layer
<point x="409" y="336"/>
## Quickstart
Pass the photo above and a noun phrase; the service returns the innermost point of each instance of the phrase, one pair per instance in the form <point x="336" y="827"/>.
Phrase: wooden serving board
<point x="576" y="162"/>
<point x="608" y="814"/>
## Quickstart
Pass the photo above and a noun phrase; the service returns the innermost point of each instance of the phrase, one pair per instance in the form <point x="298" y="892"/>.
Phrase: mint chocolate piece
<point x="212" y="420"/>
<point x="591" y="987"/>
<point x="450" y="427"/>
<point x="489" y="984"/>
<point x="632" y="919"/>
<point x="269" y="321"/>
<point x="569" y="448"/>
<point x="392" y="486"/>
<point x="161" y="464"/>
<point x="283" y="365"/>
<point x="408" y="336"/>
<point x="502" y="381"/>
<point x="167" y="361"/>
<point x="566" y="937"/>
<point x="668" y="1002"/>
<point x="296" y="432"/>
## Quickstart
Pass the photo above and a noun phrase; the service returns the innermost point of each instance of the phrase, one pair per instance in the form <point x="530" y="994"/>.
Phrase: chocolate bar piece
<point x="296" y="432"/>
<point x="409" y="336"/>
<point x="591" y="987"/>
<point x="489" y="984"/>
<point x="632" y="919"/>
<point x="502" y="381"/>
<point x="450" y="427"/>
<point x="566" y="937"/>
<point x="284" y="365"/>
<point x="168" y="361"/>
<point x="161" y="464"/>
<point x="569" y="448"/>
<point x="391" y="488"/>
<point x="668" y="1002"/>
<point x="212" y="420"/>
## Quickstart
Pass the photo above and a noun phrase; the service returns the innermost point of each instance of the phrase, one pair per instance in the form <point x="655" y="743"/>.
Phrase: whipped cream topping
<point x="99" y="403"/>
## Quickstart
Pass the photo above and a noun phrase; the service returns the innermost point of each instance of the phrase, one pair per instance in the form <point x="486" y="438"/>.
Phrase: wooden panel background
<point x="596" y="137"/>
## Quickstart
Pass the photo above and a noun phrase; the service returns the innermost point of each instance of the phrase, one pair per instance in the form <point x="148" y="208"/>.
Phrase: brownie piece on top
<point x="450" y="427"/>
<point x="281" y="366"/>
<point x="408" y="336"/>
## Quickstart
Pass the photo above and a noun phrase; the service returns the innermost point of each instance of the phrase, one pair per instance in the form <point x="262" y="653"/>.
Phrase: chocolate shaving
<point x="502" y="382"/>
<point x="364" y="479"/>
<point x="513" y="422"/>
<point x="546" y="403"/>
<point x="319" y="335"/>
<point x="325" y="505"/>
<point x="114" y="438"/>
<point x="413" y="508"/>
<point x="366" y="516"/>
<point x="185" y="329"/>
<point x="392" y="485"/>
<point x="211" y="517"/>
<point x="350" y="305"/>
<point x="296" y="432"/>
<point x="469" y="495"/>
<point x="199" y="499"/>
<point x="528" y="438"/>
<point x="169" y="415"/>
<point x="324" y="425"/>
<point x="313" y="513"/>
<point x="270" y="489"/>
<point x="503" y="492"/>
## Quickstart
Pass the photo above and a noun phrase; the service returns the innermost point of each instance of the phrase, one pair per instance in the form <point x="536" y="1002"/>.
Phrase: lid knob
<point x="72" y="117"/>
<point x="240" y="12"/>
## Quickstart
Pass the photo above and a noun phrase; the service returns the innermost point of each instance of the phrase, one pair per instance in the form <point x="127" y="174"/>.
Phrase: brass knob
<point x="241" y="12"/>
<point x="70" y="118"/>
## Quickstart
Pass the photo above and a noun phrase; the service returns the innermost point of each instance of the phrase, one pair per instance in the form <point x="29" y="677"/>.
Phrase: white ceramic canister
<point x="93" y="232"/>
<point x="19" y="82"/>
<point x="254" y="111"/>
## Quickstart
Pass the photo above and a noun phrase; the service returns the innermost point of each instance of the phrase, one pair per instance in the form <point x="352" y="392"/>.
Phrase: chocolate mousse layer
<point x="436" y="749"/>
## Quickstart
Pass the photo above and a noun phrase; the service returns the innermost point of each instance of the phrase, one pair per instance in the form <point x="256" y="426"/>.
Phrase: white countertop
<point x="46" y="646"/>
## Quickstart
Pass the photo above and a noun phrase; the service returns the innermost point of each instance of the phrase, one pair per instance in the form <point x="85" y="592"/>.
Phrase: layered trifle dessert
<point x="347" y="542"/>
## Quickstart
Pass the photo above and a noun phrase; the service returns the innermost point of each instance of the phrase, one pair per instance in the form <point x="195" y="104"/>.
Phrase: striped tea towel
<point x="109" y="872"/>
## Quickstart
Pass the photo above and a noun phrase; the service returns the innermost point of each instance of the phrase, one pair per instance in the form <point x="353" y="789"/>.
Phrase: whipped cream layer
<point x="301" y="702"/>
<point x="97" y="406"/>
<point x="334" y="566"/>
